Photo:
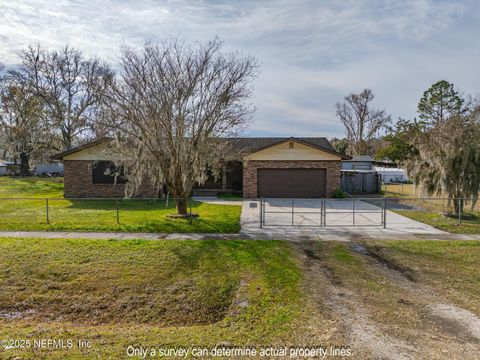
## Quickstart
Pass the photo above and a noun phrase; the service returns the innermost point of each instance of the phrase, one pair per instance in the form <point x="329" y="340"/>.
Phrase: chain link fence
<point x="372" y="211"/>
<point x="113" y="214"/>
<point x="440" y="212"/>
<point x="322" y="212"/>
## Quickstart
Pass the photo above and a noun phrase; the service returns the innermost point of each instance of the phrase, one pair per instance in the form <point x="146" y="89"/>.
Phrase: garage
<point x="291" y="183"/>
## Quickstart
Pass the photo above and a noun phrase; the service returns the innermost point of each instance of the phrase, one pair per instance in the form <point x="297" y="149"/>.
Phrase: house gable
<point x="292" y="150"/>
<point x="102" y="151"/>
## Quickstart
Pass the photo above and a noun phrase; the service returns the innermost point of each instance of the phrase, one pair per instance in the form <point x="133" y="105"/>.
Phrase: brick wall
<point x="78" y="183"/>
<point x="250" y="173"/>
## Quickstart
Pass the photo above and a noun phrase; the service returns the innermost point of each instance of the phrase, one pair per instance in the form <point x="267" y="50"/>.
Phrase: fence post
<point x="293" y="210"/>
<point x="116" y="209"/>
<point x="190" y="217"/>
<point x="46" y="211"/>
<point x="384" y="212"/>
<point x="459" y="212"/>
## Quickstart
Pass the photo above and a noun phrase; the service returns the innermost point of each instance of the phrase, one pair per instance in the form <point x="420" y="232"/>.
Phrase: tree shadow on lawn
<point x="126" y="204"/>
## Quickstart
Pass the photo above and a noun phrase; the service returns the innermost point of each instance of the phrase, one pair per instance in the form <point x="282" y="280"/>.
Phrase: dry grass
<point x="153" y="293"/>
<point x="382" y="293"/>
<point x="450" y="267"/>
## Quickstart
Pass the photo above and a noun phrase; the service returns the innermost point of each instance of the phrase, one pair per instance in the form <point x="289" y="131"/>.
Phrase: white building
<point x="391" y="174"/>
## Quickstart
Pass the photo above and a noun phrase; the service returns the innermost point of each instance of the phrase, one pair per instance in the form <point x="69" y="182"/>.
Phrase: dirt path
<point x="406" y="320"/>
<point x="456" y="321"/>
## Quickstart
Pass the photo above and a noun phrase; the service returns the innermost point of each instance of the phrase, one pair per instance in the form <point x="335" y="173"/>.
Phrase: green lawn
<point x="101" y="215"/>
<point x="235" y="293"/>
<point x="231" y="197"/>
<point x="116" y="293"/>
<point x="450" y="224"/>
<point x="32" y="187"/>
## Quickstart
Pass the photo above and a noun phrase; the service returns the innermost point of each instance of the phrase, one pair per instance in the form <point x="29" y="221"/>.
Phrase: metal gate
<point x="323" y="212"/>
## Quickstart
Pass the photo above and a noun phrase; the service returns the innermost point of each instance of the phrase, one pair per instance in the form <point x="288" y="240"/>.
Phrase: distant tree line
<point x="50" y="102"/>
<point x="164" y="108"/>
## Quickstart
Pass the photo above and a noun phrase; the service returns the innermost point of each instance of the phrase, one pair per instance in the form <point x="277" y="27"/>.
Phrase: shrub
<point x="339" y="194"/>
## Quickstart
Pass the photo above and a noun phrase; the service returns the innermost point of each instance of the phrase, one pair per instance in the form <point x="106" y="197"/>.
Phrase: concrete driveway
<point x="340" y="220"/>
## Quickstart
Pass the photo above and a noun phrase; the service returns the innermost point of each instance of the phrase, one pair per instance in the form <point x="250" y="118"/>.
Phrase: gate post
<point x="353" y="208"/>
<point x="293" y="210"/>
<point x="261" y="213"/>
<point x="322" y="204"/>
<point x="325" y="212"/>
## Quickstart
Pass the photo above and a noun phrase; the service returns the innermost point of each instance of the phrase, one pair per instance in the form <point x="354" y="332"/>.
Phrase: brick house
<point x="261" y="167"/>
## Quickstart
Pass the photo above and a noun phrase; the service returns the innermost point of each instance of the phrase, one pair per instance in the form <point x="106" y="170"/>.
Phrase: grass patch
<point x="101" y="215"/>
<point x="471" y="225"/>
<point x="340" y="253"/>
<point x="230" y="196"/>
<point x="35" y="187"/>
<point x="450" y="267"/>
<point x="145" y="292"/>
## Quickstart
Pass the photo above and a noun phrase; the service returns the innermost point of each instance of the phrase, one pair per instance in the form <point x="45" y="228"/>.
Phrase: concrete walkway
<point x="333" y="234"/>
<point x="217" y="201"/>
<point x="398" y="227"/>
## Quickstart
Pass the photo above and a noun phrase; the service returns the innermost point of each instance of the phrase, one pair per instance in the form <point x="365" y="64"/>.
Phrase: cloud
<point x="312" y="52"/>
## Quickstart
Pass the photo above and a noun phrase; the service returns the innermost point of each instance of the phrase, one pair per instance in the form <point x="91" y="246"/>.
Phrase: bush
<point x="339" y="194"/>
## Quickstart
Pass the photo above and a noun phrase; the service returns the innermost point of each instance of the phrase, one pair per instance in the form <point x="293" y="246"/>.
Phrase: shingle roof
<point x="362" y="158"/>
<point x="248" y="145"/>
<point x="241" y="145"/>
<point x="252" y="144"/>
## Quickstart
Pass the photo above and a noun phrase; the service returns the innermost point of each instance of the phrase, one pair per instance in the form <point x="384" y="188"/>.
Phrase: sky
<point x="312" y="53"/>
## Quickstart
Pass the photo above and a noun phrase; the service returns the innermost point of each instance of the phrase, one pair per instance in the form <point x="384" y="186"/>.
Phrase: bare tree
<point x="171" y="105"/>
<point x="362" y="122"/>
<point x="21" y="124"/>
<point x="69" y="86"/>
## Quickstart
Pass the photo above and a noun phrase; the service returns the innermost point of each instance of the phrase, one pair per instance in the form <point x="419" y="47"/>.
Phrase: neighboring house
<point x="362" y="162"/>
<point x="364" y="175"/>
<point x="3" y="169"/>
<point x="53" y="168"/>
<point x="261" y="167"/>
<point x="359" y="177"/>
<point x="8" y="168"/>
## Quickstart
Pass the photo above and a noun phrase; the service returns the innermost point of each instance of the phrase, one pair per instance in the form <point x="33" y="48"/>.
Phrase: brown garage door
<point x="291" y="183"/>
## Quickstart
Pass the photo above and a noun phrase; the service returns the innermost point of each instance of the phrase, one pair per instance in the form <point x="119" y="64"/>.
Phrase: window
<point x="104" y="172"/>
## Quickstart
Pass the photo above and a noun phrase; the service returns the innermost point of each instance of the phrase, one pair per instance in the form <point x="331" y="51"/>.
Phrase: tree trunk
<point x="182" y="206"/>
<point x="24" y="164"/>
